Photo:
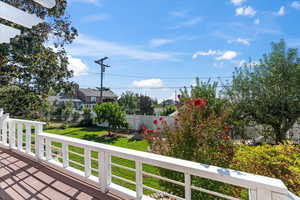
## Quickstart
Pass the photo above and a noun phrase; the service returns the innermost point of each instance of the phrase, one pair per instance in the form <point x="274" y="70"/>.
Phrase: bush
<point x="168" y="110"/>
<point x="199" y="135"/>
<point x="111" y="113"/>
<point x="87" y="117"/>
<point x="279" y="161"/>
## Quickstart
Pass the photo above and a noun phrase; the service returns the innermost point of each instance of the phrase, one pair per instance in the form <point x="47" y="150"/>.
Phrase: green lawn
<point x="94" y="134"/>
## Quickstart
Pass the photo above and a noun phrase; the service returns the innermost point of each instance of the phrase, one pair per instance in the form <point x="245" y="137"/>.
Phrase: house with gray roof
<point x="92" y="96"/>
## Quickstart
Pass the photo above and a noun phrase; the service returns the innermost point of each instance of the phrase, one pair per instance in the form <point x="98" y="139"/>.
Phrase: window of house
<point x="93" y="99"/>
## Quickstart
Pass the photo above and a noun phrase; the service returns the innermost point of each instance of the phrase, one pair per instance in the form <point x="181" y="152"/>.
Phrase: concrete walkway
<point x="23" y="178"/>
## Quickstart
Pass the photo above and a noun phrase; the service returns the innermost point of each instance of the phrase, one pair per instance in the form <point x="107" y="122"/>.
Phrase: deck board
<point x="23" y="178"/>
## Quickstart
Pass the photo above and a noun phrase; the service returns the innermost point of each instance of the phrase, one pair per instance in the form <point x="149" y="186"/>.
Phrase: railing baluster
<point x="28" y="138"/>
<point x="65" y="155"/>
<point x="87" y="162"/>
<point x="38" y="130"/>
<point x="12" y="134"/>
<point x="4" y="132"/>
<point x="48" y="150"/>
<point x="20" y="136"/>
<point x="188" y="191"/>
<point x="139" y="179"/>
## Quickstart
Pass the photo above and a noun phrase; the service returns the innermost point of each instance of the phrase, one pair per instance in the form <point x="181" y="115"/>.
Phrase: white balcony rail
<point x="27" y="137"/>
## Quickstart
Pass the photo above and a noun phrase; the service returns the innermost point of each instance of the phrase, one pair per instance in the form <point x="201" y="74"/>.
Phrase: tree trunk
<point x="280" y="134"/>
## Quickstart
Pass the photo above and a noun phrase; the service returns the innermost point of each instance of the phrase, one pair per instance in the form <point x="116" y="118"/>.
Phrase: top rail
<point x="28" y="121"/>
<point x="229" y="176"/>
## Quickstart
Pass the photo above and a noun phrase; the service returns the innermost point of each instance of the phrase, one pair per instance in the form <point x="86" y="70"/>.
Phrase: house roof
<point x="96" y="93"/>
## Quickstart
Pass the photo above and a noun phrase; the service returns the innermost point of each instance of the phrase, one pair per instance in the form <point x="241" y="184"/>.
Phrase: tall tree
<point x="129" y="101"/>
<point x="146" y="105"/>
<point x="28" y="63"/>
<point x="269" y="93"/>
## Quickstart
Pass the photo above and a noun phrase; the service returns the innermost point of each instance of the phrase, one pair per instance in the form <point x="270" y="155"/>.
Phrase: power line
<point x="160" y="77"/>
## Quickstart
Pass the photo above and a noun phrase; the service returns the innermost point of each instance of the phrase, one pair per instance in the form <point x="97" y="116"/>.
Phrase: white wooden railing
<point x="28" y="138"/>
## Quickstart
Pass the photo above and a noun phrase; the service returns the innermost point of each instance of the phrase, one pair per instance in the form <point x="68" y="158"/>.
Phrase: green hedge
<point x="279" y="161"/>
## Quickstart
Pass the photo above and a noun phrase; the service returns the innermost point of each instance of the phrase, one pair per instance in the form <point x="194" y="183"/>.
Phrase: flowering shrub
<point x="199" y="135"/>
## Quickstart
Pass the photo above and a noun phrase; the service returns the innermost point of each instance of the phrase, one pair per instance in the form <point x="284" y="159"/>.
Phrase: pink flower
<point x="155" y="122"/>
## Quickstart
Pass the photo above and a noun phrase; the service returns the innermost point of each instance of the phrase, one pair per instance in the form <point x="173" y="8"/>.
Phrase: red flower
<point x="155" y="122"/>
<point x="150" y="131"/>
<point x="226" y="127"/>
<point x="158" y="128"/>
<point x="161" y="118"/>
<point x="200" y="102"/>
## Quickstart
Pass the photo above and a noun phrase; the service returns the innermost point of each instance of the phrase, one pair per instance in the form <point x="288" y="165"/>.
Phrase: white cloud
<point x="77" y="66"/>
<point x="219" y="55"/>
<point x="160" y="42"/>
<point x="85" y="46"/>
<point x="237" y="2"/>
<point x="241" y="41"/>
<point x="281" y="11"/>
<point x="245" y="11"/>
<point x="227" y="55"/>
<point x="190" y="22"/>
<point x="205" y="53"/>
<point x="94" y="18"/>
<point x="257" y="21"/>
<point x="296" y="5"/>
<point x="148" y="83"/>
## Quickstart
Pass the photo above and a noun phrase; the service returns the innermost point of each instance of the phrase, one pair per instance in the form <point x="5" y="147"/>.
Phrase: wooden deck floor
<point x="23" y="178"/>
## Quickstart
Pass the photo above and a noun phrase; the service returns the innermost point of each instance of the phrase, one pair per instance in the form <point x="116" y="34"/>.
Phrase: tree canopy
<point x="269" y="92"/>
<point x="36" y="61"/>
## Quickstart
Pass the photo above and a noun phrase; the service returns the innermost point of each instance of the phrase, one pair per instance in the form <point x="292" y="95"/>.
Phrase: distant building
<point x="90" y="96"/>
<point x="61" y="100"/>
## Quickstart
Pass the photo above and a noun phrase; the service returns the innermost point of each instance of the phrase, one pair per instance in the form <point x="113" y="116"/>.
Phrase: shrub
<point x="111" y="113"/>
<point x="87" y="117"/>
<point x="279" y="161"/>
<point x="168" y="110"/>
<point x="199" y="135"/>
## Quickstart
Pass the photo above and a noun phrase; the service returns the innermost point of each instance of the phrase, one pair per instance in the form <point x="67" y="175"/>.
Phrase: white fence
<point x="136" y="121"/>
<point x="27" y="137"/>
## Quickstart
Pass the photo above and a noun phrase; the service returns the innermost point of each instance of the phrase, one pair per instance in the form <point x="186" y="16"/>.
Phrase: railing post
<point x="28" y="138"/>
<point x="65" y="155"/>
<point x="260" y="194"/>
<point x="20" y="136"/>
<point x="139" y="179"/>
<point x="38" y="130"/>
<point x="263" y="194"/>
<point x="12" y="134"/>
<point x="104" y="170"/>
<point x="87" y="162"/>
<point x="188" y="190"/>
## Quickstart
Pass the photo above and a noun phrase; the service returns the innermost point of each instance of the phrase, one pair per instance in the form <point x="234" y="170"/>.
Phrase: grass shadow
<point x="99" y="139"/>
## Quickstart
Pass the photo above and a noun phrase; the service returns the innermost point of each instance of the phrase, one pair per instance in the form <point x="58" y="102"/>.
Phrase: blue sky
<point x="166" y="43"/>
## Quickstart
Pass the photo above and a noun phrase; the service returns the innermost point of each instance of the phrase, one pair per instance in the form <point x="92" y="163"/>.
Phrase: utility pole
<point x="102" y="65"/>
